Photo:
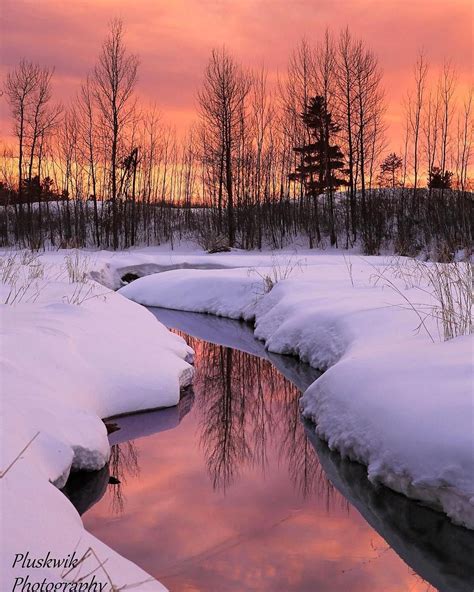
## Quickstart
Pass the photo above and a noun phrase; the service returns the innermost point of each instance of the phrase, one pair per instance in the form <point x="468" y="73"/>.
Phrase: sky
<point x="174" y="38"/>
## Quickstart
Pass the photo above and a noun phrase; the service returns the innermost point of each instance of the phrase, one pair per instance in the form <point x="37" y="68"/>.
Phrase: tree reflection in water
<point x="245" y="405"/>
<point x="246" y="421"/>
<point x="123" y="462"/>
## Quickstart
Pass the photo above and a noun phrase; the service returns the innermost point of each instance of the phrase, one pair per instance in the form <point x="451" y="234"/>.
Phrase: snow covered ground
<point x="394" y="398"/>
<point x="64" y="366"/>
<point x="390" y="397"/>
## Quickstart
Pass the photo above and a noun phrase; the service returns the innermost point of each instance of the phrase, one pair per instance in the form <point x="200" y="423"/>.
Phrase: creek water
<point x="232" y="491"/>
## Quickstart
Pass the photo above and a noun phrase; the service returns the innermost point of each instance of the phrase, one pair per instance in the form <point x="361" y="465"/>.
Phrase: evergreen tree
<point x="390" y="171"/>
<point x="321" y="165"/>
<point x="439" y="179"/>
<point x="321" y="159"/>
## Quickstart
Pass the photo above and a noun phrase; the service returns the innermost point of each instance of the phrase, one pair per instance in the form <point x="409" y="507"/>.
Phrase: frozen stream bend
<point x="203" y="545"/>
<point x="65" y="365"/>
<point x="390" y="398"/>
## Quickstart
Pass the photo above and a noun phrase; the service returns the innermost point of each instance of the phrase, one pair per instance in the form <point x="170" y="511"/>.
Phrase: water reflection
<point x="232" y="496"/>
<point x="235" y="335"/>
<point x="247" y="407"/>
<point x="433" y="546"/>
<point x="123" y="463"/>
<point x="230" y="387"/>
<point x="84" y="489"/>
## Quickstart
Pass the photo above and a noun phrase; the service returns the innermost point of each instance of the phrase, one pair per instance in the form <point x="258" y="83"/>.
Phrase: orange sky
<point x="174" y="38"/>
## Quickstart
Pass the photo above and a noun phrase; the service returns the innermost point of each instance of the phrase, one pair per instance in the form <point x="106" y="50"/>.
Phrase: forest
<point x="305" y="159"/>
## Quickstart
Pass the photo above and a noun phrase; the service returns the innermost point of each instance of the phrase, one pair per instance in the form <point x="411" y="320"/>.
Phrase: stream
<point x="232" y="491"/>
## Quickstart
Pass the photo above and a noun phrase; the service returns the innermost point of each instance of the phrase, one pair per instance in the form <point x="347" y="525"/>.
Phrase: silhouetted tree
<point x="346" y="61"/>
<point x="322" y="161"/>
<point x="390" y="171"/>
<point x="222" y="109"/>
<point x="28" y="92"/>
<point x="439" y="179"/>
<point x="415" y="108"/>
<point x="109" y="173"/>
<point x="114" y="79"/>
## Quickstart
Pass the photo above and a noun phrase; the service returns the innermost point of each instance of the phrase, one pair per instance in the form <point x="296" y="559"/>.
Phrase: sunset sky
<point x="174" y="38"/>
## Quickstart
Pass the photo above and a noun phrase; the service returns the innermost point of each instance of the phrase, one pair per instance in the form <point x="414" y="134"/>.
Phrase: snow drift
<point x="390" y="399"/>
<point x="63" y="368"/>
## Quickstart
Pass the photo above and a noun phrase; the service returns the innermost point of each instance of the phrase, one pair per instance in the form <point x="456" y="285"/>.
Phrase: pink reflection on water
<point x="234" y="499"/>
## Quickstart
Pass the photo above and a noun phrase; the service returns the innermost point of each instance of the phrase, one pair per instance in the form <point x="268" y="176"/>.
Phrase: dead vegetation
<point x="446" y="290"/>
<point x="282" y="267"/>
<point x="24" y="276"/>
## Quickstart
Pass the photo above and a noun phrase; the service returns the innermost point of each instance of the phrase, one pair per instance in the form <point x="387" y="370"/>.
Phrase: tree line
<point x="264" y="165"/>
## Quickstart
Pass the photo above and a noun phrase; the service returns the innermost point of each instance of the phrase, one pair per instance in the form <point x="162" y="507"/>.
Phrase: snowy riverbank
<point x="65" y="366"/>
<point x="396" y="399"/>
<point x="73" y="351"/>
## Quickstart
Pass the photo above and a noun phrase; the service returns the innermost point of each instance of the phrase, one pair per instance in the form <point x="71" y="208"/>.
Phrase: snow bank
<point x="109" y="268"/>
<point x="390" y="398"/>
<point x="408" y="416"/>
<point x="63" y="368"/>
<point x="437" y="550"/>
<point x="231" y="294"/>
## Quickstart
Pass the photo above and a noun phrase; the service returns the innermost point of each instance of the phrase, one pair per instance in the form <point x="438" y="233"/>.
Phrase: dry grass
<point x="22" y="276"/>
<point x="98" y="567"/>
<point x="449" y="287"/>
<point x="77" y="266"/>
<point x="282" y="268"/>
<point x="348" y="264"/>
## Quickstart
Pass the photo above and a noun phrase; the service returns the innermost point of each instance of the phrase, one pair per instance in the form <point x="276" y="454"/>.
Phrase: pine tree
<point x="322" y="162"/>
<point x="390" y="171"/>
<point x="439" y="179"/>
<point x="320" y="158"/>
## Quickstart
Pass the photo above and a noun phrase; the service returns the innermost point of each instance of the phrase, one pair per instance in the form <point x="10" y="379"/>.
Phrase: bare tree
<point x="370" y="106"/>
<point x="89" y="142"/>
<point x="431" y="125"/>
<point x="114" y="78"/>
<point x="222" y="106"/>
<point x="465" y="132"/>
<point x="300" y="85"/>
<point x="345" y="80"/>
<point x="325" y="75"/>
<point x="42" y="116"/>
<point x="20" y="87"/>
<point x="446" y="88"/>
<point x="415" y="108"/>
<point x="466" y="128"/>
<point x="262" y="116"/>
